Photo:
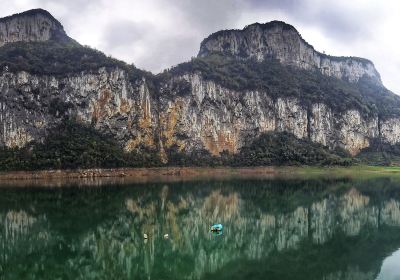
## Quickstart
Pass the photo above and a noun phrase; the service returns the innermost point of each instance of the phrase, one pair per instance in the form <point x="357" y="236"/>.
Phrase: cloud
<point x="341" y="19"/>
<point x="160" y="40"/>
<point x="363" y="28"/>
<point x="167" y="56"/>
<point x="125" y="33"/>
<point x="136" y="42"/>
<point x="155" y="34"/>
<point x="209" y="15"/>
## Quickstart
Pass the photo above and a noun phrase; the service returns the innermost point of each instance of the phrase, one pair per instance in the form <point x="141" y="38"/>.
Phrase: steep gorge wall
<point x="187" y="111"/>
<point x="31" y="104"/>
<point x="222" y="119"/>
<point x="206" y="115"/>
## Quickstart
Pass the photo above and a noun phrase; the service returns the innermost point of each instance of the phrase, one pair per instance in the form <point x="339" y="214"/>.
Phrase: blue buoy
<point x="216" y="227"/>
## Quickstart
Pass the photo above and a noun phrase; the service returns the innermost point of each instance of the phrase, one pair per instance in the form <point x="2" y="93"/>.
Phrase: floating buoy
<point x="216" y="228"/>
<point x="145" y="236"/>
<point x="166" y="236"/>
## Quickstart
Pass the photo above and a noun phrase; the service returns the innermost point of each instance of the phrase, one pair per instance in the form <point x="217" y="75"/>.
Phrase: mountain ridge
<point x="206" y="111"/>
<point x="202" y="51"/>
<point x="32" y="12"/>
<point x="36" y="25"/>
<point x="282" y="41"/>
<point x="290" y="27"/>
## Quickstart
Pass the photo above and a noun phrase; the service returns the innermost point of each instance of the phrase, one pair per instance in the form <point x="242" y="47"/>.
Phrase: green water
<point x="273" y="229"/>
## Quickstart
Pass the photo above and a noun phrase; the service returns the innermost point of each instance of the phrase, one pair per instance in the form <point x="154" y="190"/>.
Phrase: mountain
<point x="281" y="41"/>
<point x="261" y="95"/>
<point x="31" y="26"/>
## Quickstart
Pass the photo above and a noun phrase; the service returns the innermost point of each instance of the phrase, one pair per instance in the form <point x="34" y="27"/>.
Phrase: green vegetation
<point x="72" y="145"/>
<point x="355" y="171"/>
<point x="59" y="59"/>
<point x="380" y="153"/>
<point x="278" y="80"/>
<point x="63" y="58"/>
<point x="275" y="148"/>
<point x="285" y="149"/>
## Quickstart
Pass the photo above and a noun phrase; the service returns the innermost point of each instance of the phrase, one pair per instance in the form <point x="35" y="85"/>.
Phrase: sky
<point x="157" y="34"/>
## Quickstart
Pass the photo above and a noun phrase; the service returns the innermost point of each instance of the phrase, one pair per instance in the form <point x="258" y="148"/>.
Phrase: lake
<point x="276" y="228"/>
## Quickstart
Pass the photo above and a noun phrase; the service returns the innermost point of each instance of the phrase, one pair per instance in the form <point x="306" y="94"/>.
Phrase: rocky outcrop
<point x="218" y="119"/>
<point x="30" y="104"/>
<point x="206" y="115"/>
<point x="390" y="130"/>
<point x="188" y="111"/>
<point x="282" y="41"/>
<point x="31" y="26"/>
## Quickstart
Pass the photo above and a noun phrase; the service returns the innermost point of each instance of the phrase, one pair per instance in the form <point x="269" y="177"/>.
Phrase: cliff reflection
<point x="280" y="229"/>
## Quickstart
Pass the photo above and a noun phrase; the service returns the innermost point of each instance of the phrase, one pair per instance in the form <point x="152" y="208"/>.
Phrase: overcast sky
<point x="157" y="34"/>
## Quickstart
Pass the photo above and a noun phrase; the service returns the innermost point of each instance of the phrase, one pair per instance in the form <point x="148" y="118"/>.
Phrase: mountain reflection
<point x="275" y="229"/>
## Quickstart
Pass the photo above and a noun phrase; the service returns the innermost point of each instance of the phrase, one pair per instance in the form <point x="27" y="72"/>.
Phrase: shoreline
<point x="134" y="172"/>
<point x="101" y="176"/>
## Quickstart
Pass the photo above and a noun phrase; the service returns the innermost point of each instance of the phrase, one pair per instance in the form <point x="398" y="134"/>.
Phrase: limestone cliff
<point x="208" y="116"/>
<point x="31" y="26"/>
<point x="282" y="41"/>
<point x="31" y="104"/>
<point x="190" y="109"/>
<point x="221" y="119"/>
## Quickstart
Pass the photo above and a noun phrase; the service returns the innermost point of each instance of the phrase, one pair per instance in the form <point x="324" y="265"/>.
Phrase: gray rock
<point x="30" y="26"/>
<point x="282" y="41"/>
<point x="198" y="113"/>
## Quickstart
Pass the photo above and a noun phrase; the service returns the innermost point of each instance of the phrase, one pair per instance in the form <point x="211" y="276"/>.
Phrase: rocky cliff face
<point x="282" y="41"/>
<point x="31" y="104"/>
<point x="189" y="110"/>
<point x="31" y="26"/>
<point x="207" y="116"/>
<point x="221" y="119"/>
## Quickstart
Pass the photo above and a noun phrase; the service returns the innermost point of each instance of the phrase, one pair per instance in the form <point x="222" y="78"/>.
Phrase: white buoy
<point x="166" y="236"/>
<point x="145" y="236"/>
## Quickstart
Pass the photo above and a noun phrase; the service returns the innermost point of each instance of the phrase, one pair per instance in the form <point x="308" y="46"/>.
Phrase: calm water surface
<point x="273" y="229"/>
